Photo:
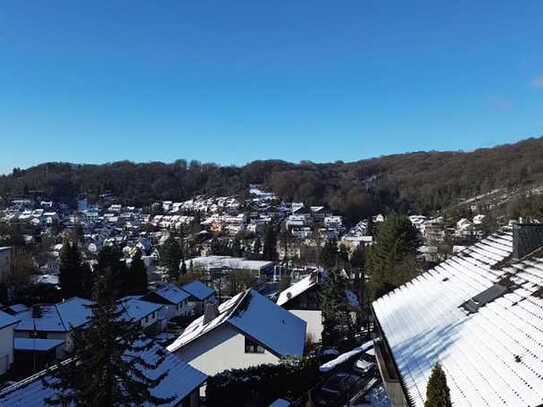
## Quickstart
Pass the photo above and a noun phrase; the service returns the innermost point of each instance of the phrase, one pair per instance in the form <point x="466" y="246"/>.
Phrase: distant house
<point x="7" y="326"/>
<point x="246" y="331"/>
<point x="147" y="314"/>
<point x="303" y="300"/>
<point x="260" y="268"/>
<point x="55" y="322"/>
<point x="181" y="382"/>
<point x="199" y="296"/>
<point x="174" y="299"/>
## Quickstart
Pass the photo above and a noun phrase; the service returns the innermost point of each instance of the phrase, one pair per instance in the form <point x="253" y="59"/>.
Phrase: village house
<point x="199" y="296"/>
<point x="7" y="326"/>
<point x="174" y="300"/>
<point x="248" y="330"/>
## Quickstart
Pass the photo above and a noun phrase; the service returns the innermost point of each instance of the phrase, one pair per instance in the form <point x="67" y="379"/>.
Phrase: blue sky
<point x="232" y="82"/>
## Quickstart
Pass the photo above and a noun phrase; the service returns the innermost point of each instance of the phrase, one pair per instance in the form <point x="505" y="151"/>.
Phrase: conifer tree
<point x="75" y="277"/>
<point x="138" y="275"/>
<point x="110" y="258"/>
<point x="171" y="255"/>
<point x="437" y="391"/>
<point x="106" y="367"/>
<point x="269" y="250"/>
<point x="328" y="255"/>
<point x="338" y="329"/>
<point x="183" y="268"/>
<point x="391" y="260"/>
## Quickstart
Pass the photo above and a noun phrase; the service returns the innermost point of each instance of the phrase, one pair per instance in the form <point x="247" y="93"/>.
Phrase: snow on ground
<point x="377" y="397"/>
<point x="329" y="366"/>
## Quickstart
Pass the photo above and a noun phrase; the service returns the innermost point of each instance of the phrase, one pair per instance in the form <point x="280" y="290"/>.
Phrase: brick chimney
<point x="527" y="237"/>
<point x="211" y="312"/>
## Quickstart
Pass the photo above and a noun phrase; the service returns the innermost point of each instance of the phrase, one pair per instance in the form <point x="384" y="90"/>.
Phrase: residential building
<point x="199" y="296"/>
<point x="7" y="326"/>
<point x="479" y="315"/>
<point x="248" y="330"/>
<point x="174" y="300"/>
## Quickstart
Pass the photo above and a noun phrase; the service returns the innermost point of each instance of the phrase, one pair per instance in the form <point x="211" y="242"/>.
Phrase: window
<point x="252" y="347"/>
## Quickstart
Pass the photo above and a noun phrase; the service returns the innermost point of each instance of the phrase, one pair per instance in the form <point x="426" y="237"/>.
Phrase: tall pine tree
<point x="106" y="367"/>
<point x="437" y="391"/>
<point x="269" y="251"/>
<point x="138" y="275"/>
<point x="392" y="259"/>
<point x="75" y="277"/>
<point x="171" y="255"/>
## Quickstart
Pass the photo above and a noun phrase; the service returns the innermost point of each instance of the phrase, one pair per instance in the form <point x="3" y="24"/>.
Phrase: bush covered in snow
<point x="261" y="385"/>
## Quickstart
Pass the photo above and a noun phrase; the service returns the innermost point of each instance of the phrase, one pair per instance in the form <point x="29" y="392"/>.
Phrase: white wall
<point x="314" y="322"/>
<point x="222" y="349"/>
<point x="6" y="348"/>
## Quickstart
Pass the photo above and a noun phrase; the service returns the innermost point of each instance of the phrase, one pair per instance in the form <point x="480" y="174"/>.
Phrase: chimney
<point x="527" y="237"/>
<point x="210" y="313"/>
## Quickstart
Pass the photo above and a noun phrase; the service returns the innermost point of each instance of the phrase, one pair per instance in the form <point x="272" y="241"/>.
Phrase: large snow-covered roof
<point x="61" y="317"/>
<point x="298" y="288"/>
<point x="181" y="380"/>
<point x="172" y="293"/>
<point x="487" y="336"/>
<point x="137" y="309"/>
<point x="273" y="327"/>
<point x="235" y="263"/>
<point x="198" y="290"/>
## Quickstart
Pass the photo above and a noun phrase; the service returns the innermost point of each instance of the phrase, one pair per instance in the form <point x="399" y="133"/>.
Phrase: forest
<point x="420" y="182"/>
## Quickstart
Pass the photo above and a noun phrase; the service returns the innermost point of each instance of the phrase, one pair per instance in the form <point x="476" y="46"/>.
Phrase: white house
<point x="248" y="330"/>
<point x="199" y="295"/>
<point x="52" y="325"/>
<point x="303" y="300"/>
<point x="174" y="300"/>
<point x="148" y="314"/>
<point x="7" y="326"/>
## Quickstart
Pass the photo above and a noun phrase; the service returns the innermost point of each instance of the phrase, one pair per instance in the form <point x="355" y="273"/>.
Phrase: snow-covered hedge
<point x="263" y="384"/>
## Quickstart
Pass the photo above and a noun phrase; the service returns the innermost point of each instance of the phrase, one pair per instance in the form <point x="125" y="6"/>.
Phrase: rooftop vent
<point x="527" y="237"/>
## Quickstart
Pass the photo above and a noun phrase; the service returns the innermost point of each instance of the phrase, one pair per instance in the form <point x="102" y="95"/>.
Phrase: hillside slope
<point x="420" y="181"/>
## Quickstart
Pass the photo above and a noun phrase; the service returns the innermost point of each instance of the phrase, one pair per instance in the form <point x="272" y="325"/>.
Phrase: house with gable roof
<point x="248" y="330"/>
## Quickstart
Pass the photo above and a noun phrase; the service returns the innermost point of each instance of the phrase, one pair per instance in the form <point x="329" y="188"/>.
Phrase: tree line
<point x="420" y="181"/>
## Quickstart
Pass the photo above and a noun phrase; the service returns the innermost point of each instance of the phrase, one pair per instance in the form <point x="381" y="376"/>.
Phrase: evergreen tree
<point x="338" y="329"/>
<point x="392" y="259"/>
<point x="110" y="259"/>
<point x="257" y="248"/>
<point x="328" y="255"/>
<point x="437" y="391"/>
<point x="171" y="255"/>
<point x="269" y="251"/>
<point x="75" y="277"/>
<point x="138" y="275"/>
<point x="183" y="268"/>
<point x="106" y="367"/>
<point x="236" y="248"/>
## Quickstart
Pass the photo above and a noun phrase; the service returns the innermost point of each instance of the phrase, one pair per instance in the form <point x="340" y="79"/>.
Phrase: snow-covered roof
<point x="280" y="403"/>
<point x="276" y="329"/>
<point x="181" y="380"/>
<point x="198" y="290"/>
<point x="61" y="317"/>
<point x="137" y="309"/>
<point x="298" y="288"/>
<point x="235" y="263"/>
<point x="172" y="293"/>
<point x="480" y="315"/>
